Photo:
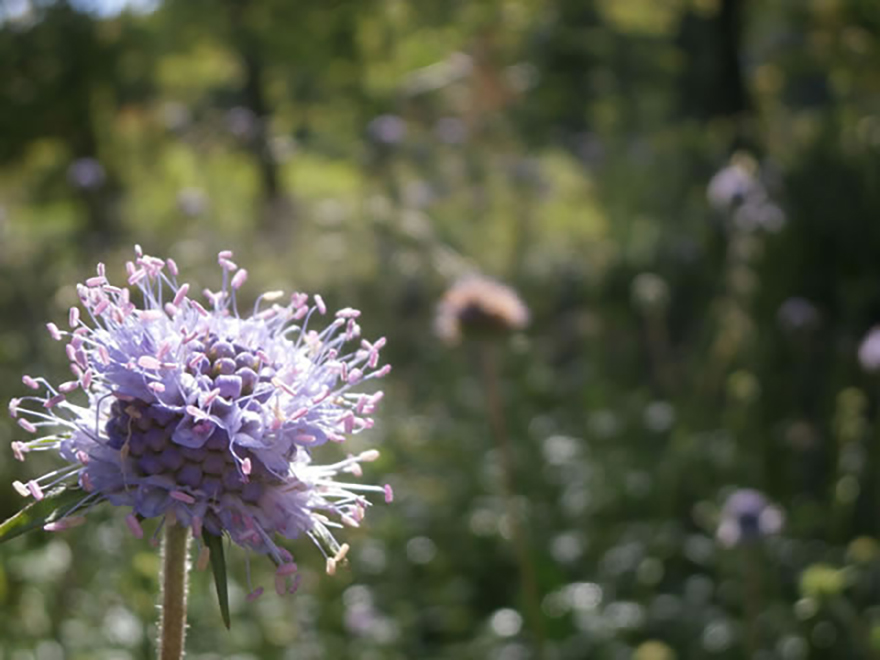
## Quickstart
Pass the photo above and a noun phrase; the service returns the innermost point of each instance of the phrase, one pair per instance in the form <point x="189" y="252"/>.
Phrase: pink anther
<point x="239" y="279"/>
<point x="135" y="526"/>
<point x="64" y="523"/>
<point x="181" y="294"/>
<point x="35" y="490"/>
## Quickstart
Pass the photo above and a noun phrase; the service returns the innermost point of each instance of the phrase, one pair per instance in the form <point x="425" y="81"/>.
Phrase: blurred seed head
<point x="869" y="351"/>
<point x="86" y="174"/>
<point x="747" y="517"/>
<point x="479" y="307"/>
<point x="650" y="293"/>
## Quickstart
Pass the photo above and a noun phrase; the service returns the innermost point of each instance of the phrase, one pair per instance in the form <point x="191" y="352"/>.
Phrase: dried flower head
<point x="479" y="306"/>
<point x="747" y="516"/>
<point x="198" y="415"/>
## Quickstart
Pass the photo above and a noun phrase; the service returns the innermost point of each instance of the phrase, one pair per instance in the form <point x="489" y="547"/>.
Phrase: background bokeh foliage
<point x="682" y="344"/>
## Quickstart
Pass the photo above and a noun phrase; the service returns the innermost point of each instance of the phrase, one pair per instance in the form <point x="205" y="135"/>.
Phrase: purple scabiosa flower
<point x="869" y="351"/>
<point x="479" y="306"/>
<point x="734" y="184"/>
<point x="797" y="313"/>
<point x="86" y="174"/>
<point x="242" y="123"/>
<point x="206" y="417"/>
<point x="758" y="212"/>
<point x="747" y="516"/>
<point x="387" y="130"/>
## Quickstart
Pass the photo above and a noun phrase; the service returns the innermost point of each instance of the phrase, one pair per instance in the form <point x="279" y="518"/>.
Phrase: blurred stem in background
<point x="752" y="557"/>
<point x="253" y="94"/>
<point x="175" y="570"/>
<point x="495" y="409"/>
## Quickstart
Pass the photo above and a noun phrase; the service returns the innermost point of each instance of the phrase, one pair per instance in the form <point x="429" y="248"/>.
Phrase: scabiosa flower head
<point x="199" y="415"/>
<point x="734" y="184"/>
<point x="797" y="314"/>
<point x="479" y="306"/>
<point x="86" y="174"/>
<point x="869" y="351"/>
<point x="747" y="516"/>
<point x="389" y="130"/>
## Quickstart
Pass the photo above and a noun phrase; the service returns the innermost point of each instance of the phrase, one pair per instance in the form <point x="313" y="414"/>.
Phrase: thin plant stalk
<point x="528" y="581"/>
<point x="175" y="572"/>
<point x="751" y="557"/>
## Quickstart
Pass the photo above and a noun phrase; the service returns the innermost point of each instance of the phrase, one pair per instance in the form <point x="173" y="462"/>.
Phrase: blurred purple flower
<point x="869" y="350"/>
<point x="241" y="122"/>
<point x="387" y="130"/>
<point x="86" y="174"/>
<point x="201" y="416"/>
<point x="797" y="313"/>
<point x="758" y="212"/>
<point x="733" y="184"/>
<point x="747" y="516"/>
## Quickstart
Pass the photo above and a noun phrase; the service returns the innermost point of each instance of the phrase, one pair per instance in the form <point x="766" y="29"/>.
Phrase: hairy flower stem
<point x="528" y="580"/>
<point x="175" y="570"/>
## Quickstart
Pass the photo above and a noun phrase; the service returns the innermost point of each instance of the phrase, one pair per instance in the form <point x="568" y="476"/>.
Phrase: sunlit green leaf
<point x="55" y="505"/>
<point x="218" y="566"/>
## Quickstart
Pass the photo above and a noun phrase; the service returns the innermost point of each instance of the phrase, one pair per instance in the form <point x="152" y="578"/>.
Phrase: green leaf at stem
<point x="218" y="566"/>
<point x="55" y="504"/>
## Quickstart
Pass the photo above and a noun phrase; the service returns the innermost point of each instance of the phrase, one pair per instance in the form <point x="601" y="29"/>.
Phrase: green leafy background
<point x="564" y="146"/>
